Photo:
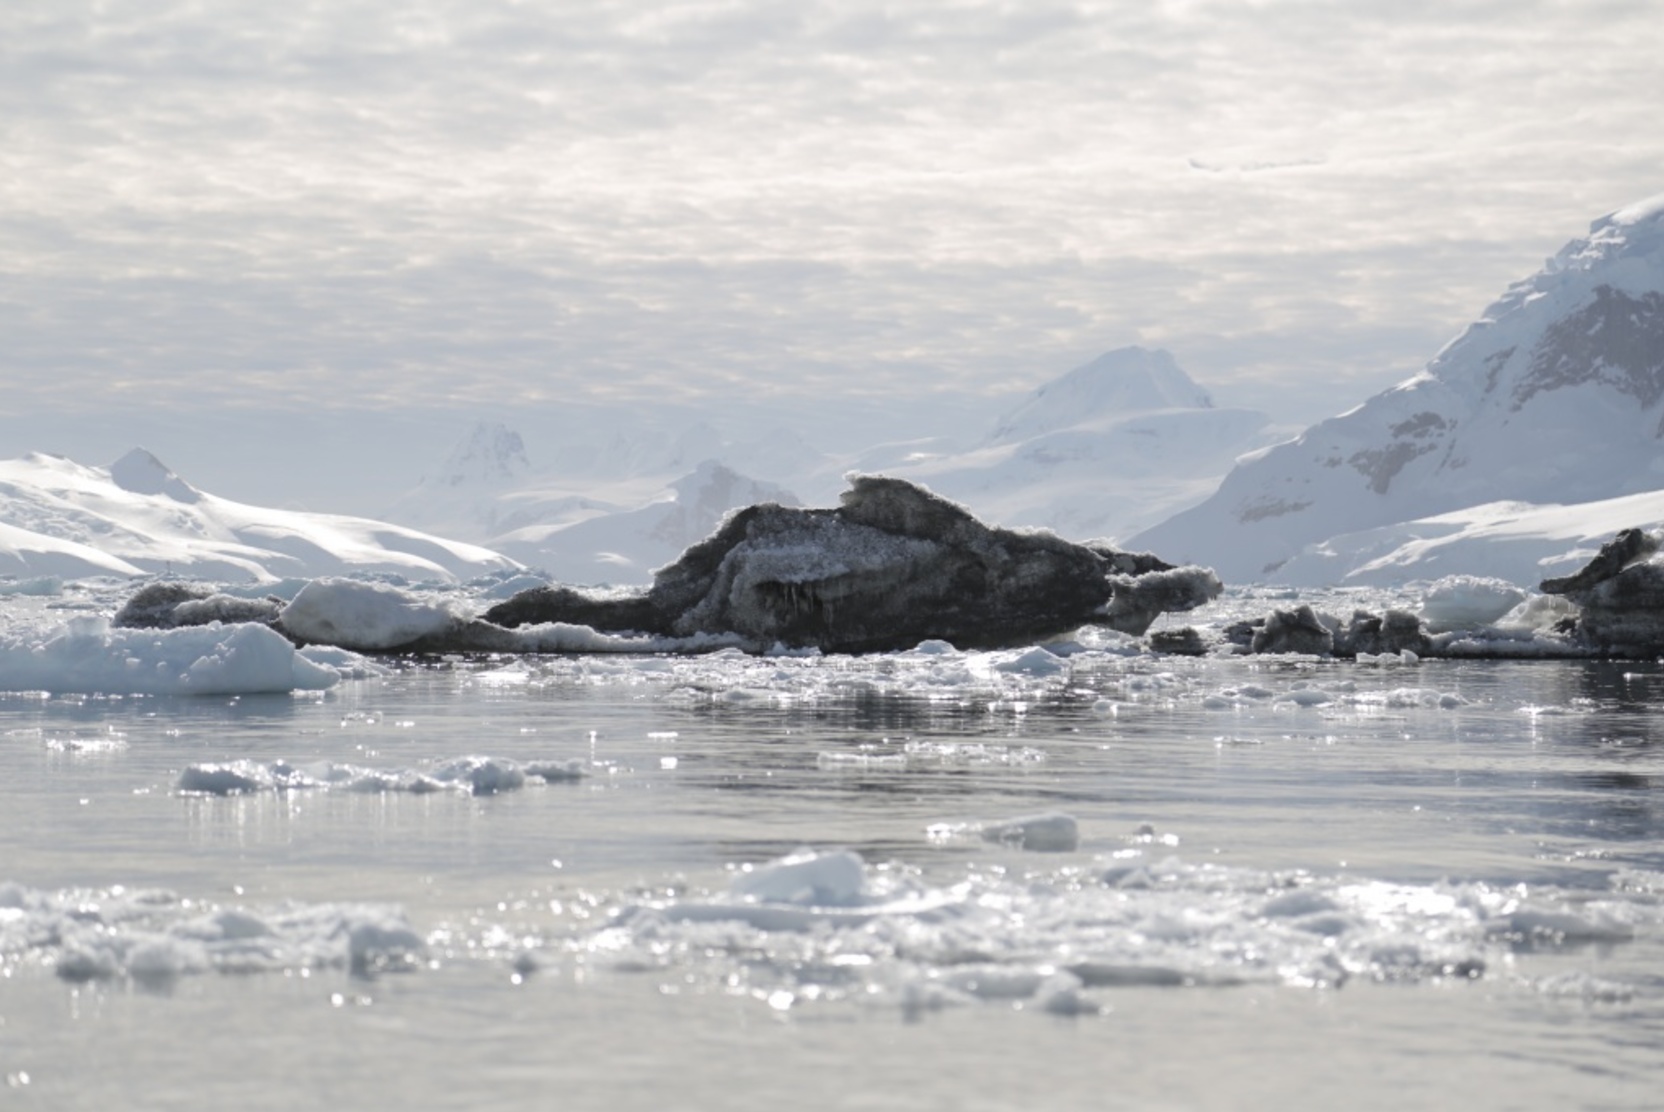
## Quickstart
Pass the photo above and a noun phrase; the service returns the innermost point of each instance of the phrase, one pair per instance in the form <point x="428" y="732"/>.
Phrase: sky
<point x="309" y="243"/>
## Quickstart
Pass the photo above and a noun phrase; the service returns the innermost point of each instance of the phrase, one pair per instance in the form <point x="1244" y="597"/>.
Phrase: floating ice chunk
<point x="475" y="774"/>
<point x="1051" y="832"/>
<point x="1587" y="988"/>
<point x="1404" y="657"/>
<point x="38" y="586"/>
<point x="242" y="778"/>
<point x="556" y="772"/>
<point x="1530" y="922"/>
<point x="861" y="762"/>
<point x="346" y="663"/>
<point x="87" y="656"/>
<point x="1033" y="662"/>
<point x="483" y="775"/>
<point x="971" y="753"/>
<point x="806" y="878"/>
<point x="1060" y="994"/>
<point x="155" y="937"/>
<point x="1306" y="697"/>
<point x="1468" y="602"/>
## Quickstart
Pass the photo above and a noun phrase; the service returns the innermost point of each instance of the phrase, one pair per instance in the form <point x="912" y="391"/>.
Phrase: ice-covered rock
<point x="169" y="604"/>
<point x="892" y="566"/>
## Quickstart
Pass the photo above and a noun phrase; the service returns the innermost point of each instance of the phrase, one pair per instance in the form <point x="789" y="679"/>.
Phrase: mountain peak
<point x="139" y="472"/>
<point x="491" y="453"/>
<point x="1124" y="381"/>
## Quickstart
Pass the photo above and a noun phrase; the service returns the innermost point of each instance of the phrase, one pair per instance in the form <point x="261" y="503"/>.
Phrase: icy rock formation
<point x="171" y="605"/>
<point x="1621" y="595"/>
<point x="1294" y="631"/>
<point x="1303" y="630"/>
<point x="892" y="566"/>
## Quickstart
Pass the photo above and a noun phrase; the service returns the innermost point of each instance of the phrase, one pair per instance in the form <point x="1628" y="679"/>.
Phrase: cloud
<point x="444" y="204"/>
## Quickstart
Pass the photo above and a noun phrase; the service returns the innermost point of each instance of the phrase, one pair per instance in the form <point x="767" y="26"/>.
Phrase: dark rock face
<point x="1614" y="556"/>
<point x="1621" y="594"/>
<point x="892" y="566"/>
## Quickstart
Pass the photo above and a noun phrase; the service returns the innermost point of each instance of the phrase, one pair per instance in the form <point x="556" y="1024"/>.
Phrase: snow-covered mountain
<point x="58" y="517"/>
<point x="1555" y="395"/>
<point x="1111" y="447"/>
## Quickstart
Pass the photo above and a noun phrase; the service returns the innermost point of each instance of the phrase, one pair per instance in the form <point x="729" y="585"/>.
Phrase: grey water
<point x="1297" y="883"/>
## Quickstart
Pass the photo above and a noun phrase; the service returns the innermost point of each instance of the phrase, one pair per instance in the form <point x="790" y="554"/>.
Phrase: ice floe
<point x="826" y="925"/>
<point x="474" y="775"/>
<point x="153" y="936"/>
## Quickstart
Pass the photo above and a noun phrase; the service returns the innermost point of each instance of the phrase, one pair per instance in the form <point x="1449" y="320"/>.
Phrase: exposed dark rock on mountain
<point x="890" y="567"/>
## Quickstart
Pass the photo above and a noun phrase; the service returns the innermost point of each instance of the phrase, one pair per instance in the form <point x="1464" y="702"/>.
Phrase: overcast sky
<point x="432" y="208"/>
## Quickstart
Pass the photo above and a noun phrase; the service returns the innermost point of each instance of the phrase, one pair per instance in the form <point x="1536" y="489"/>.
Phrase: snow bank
<point x="87" y="656"/>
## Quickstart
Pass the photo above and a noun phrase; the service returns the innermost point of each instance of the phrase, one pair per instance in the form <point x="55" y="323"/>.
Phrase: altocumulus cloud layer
<point x="439" y="202"/>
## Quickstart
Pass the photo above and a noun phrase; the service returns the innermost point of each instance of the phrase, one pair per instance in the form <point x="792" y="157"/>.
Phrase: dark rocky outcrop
<point x="1614" y="556"/>
<point x="891" y="566"/>
<point x="1620" y="595"/>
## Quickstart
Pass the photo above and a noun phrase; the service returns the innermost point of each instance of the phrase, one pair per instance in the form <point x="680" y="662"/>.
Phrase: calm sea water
<point x="1293" y="884"/>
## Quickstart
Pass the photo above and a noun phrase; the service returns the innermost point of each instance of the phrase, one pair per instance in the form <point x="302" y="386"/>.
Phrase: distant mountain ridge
<point x="1117" y="383"/>
<point x="1110" y="447"/>
<point x="1555" y="395"/>
<point x="136" y="517"/>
